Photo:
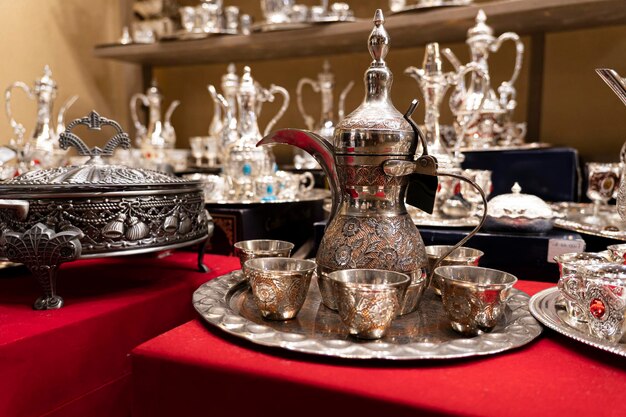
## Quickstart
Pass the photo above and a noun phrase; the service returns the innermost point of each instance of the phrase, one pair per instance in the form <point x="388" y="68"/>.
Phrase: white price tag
<point x="560" y="246"/>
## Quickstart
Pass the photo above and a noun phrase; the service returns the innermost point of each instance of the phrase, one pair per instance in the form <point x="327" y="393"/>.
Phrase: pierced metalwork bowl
<point x="94" y="210"/>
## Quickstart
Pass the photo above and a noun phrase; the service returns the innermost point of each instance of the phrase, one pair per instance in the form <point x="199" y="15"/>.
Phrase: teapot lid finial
<point x="46" y="79"/>
<point x="378" y="42"/>
<point x="481" y="28"/>
<point x="516" y="189"/>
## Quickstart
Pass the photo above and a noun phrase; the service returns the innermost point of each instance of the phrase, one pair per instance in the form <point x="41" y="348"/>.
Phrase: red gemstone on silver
<point x="597" y="308"/>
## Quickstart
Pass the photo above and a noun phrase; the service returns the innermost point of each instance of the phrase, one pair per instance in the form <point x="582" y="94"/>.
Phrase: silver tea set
<point x="282" y="13"/>
<point x="371" y="263"/>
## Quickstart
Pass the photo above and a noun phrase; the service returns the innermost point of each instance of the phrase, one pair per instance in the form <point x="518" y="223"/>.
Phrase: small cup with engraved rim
<point x="262" y="248"/>
<point x="368" y="299"/>
<point x="604" y="301"/>
<point x="618" y="253"/>
<point x="279" y="285"/>
<point x="460" y="256"/>
<point x="571" y="286"/>
<point x="474" y="298"/>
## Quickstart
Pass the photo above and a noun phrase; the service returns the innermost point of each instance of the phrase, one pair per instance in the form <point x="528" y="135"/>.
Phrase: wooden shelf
<point x="406" y="30"/>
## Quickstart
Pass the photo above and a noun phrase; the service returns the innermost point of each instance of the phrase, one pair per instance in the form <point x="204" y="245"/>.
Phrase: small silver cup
<point x="604" y="300"/>
<point x="368" y="299"/>
<point x="474" y="298"/>
<point x="279" y="285"/>
<point x="570" y="282"/>
<point x="460" y="256"/>
<point x="618" y="253"/>
<point x="262" y="248"/>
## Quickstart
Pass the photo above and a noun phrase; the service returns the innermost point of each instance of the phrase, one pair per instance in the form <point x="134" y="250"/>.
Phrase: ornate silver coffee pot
<point x="496" y="109"/>
<point x="42" y="143"/>
<point x="434" y="84"/>
<point x="159" y="133"/>
<point x="226" y="116"/>
<point x="369" y="164"/>
<point x="243" y="162"/>
<point x="325" y="126"/>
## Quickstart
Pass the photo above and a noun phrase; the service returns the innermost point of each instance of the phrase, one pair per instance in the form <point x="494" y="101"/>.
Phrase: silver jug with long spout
<point x="369" y="163"/>
<point x="434" y="83"/>
<point x="226" y="105"/>
<point x="42" y="142"/>
<point x="325" y="126"/>
<point x="159" y="133"/>
<point x="496" y="109"/>
<point x="243" y="160"/>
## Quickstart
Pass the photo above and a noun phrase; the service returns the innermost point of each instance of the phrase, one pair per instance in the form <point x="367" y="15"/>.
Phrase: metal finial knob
<point x="378" y="42"/>
<point x="481" y="17"/>
<point x="326" y="66"/>
<point x="231" y="68"/>
<point x="94" y="122"/>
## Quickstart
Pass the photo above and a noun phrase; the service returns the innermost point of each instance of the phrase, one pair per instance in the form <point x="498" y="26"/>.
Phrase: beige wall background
<point x="577" y="108"/>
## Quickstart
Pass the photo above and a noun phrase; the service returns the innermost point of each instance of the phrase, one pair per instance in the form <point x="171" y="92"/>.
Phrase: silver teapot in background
<point x="226" y="121"/>
<point x="41" y="145"/>
<point x="159" y="133"/>
<point x="242" y="161"/>
<point x="497" y="109"/>
<point x="325" y="126"/>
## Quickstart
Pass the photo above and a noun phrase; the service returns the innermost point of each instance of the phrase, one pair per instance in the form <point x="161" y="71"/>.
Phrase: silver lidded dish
<point x="519" y="212"/>
<point x="57" y="215"/>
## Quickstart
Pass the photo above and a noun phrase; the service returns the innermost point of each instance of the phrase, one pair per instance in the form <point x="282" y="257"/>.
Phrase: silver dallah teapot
<point x="226" y="115"/>
<point x="325" y="126"/>
<point x="159" y="133"/>
<point x="496" y="109"/>
<point x="42" y="143"/>
<point x="369" y="164"/>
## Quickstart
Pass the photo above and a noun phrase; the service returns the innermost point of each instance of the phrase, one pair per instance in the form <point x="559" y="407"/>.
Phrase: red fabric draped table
<point x="75" y="361"/>
<point x="195" y="370"/>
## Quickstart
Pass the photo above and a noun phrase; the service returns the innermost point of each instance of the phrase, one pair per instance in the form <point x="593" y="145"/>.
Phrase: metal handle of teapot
<point x="140" y="127"/>
<point x="17" y="127"/>
<point x="475" y="230"/>
<point x="62" y="111"/>
<point x="342" y="101"/>
<point x="283" y="108"/>
<point x="519" y="53"/>
<point x="309" y="121"/>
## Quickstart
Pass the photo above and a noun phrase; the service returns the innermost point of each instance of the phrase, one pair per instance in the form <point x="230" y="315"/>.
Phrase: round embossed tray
<point x="547" y="308"/>
<point x="226" y="302"/>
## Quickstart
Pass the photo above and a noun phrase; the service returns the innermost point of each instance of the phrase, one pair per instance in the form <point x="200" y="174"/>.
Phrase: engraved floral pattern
<point x="609" y="324"/>
<point x="365" y="242"/>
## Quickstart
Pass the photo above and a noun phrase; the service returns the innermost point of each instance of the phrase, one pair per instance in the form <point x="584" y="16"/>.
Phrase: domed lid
<point x="519" y="205"/>
<point x="95" y="173"/>
<point x="376" y="126"/>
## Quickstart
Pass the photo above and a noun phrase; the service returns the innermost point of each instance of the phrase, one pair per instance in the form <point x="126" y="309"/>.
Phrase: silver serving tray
<point x="421" y="218"/>
<point x="546" y="307"/>
<point x="499" y="148"/>
<point x="226" y="303"/>
<point x="312" y="195"/>
<point x="571" y="216"/>
<point x="436" y="5"/>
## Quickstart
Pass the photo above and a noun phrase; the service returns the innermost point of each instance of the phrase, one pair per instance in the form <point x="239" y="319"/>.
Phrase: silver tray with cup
<point x="227" y="302"/>
<point x="589" y="303"/>
<point x="404" y="6"/>
<point x="575" y="217"/>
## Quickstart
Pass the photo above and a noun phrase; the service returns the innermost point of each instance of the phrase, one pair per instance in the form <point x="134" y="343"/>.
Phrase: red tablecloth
<point x="194" y="370"/>
<point x="74" y="361"/>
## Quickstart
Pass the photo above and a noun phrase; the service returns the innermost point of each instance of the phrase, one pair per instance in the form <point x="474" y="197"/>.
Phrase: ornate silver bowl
<point x="61" y="214"/>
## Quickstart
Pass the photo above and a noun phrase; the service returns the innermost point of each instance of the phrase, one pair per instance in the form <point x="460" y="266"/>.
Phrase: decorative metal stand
<point x="42" y="250"/>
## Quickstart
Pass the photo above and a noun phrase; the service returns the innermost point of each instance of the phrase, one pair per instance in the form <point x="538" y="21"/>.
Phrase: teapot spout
<point x="319" y="148"/>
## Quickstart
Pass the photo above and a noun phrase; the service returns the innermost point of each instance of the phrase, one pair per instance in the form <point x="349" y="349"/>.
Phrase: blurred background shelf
<point x="525" y="17"/>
